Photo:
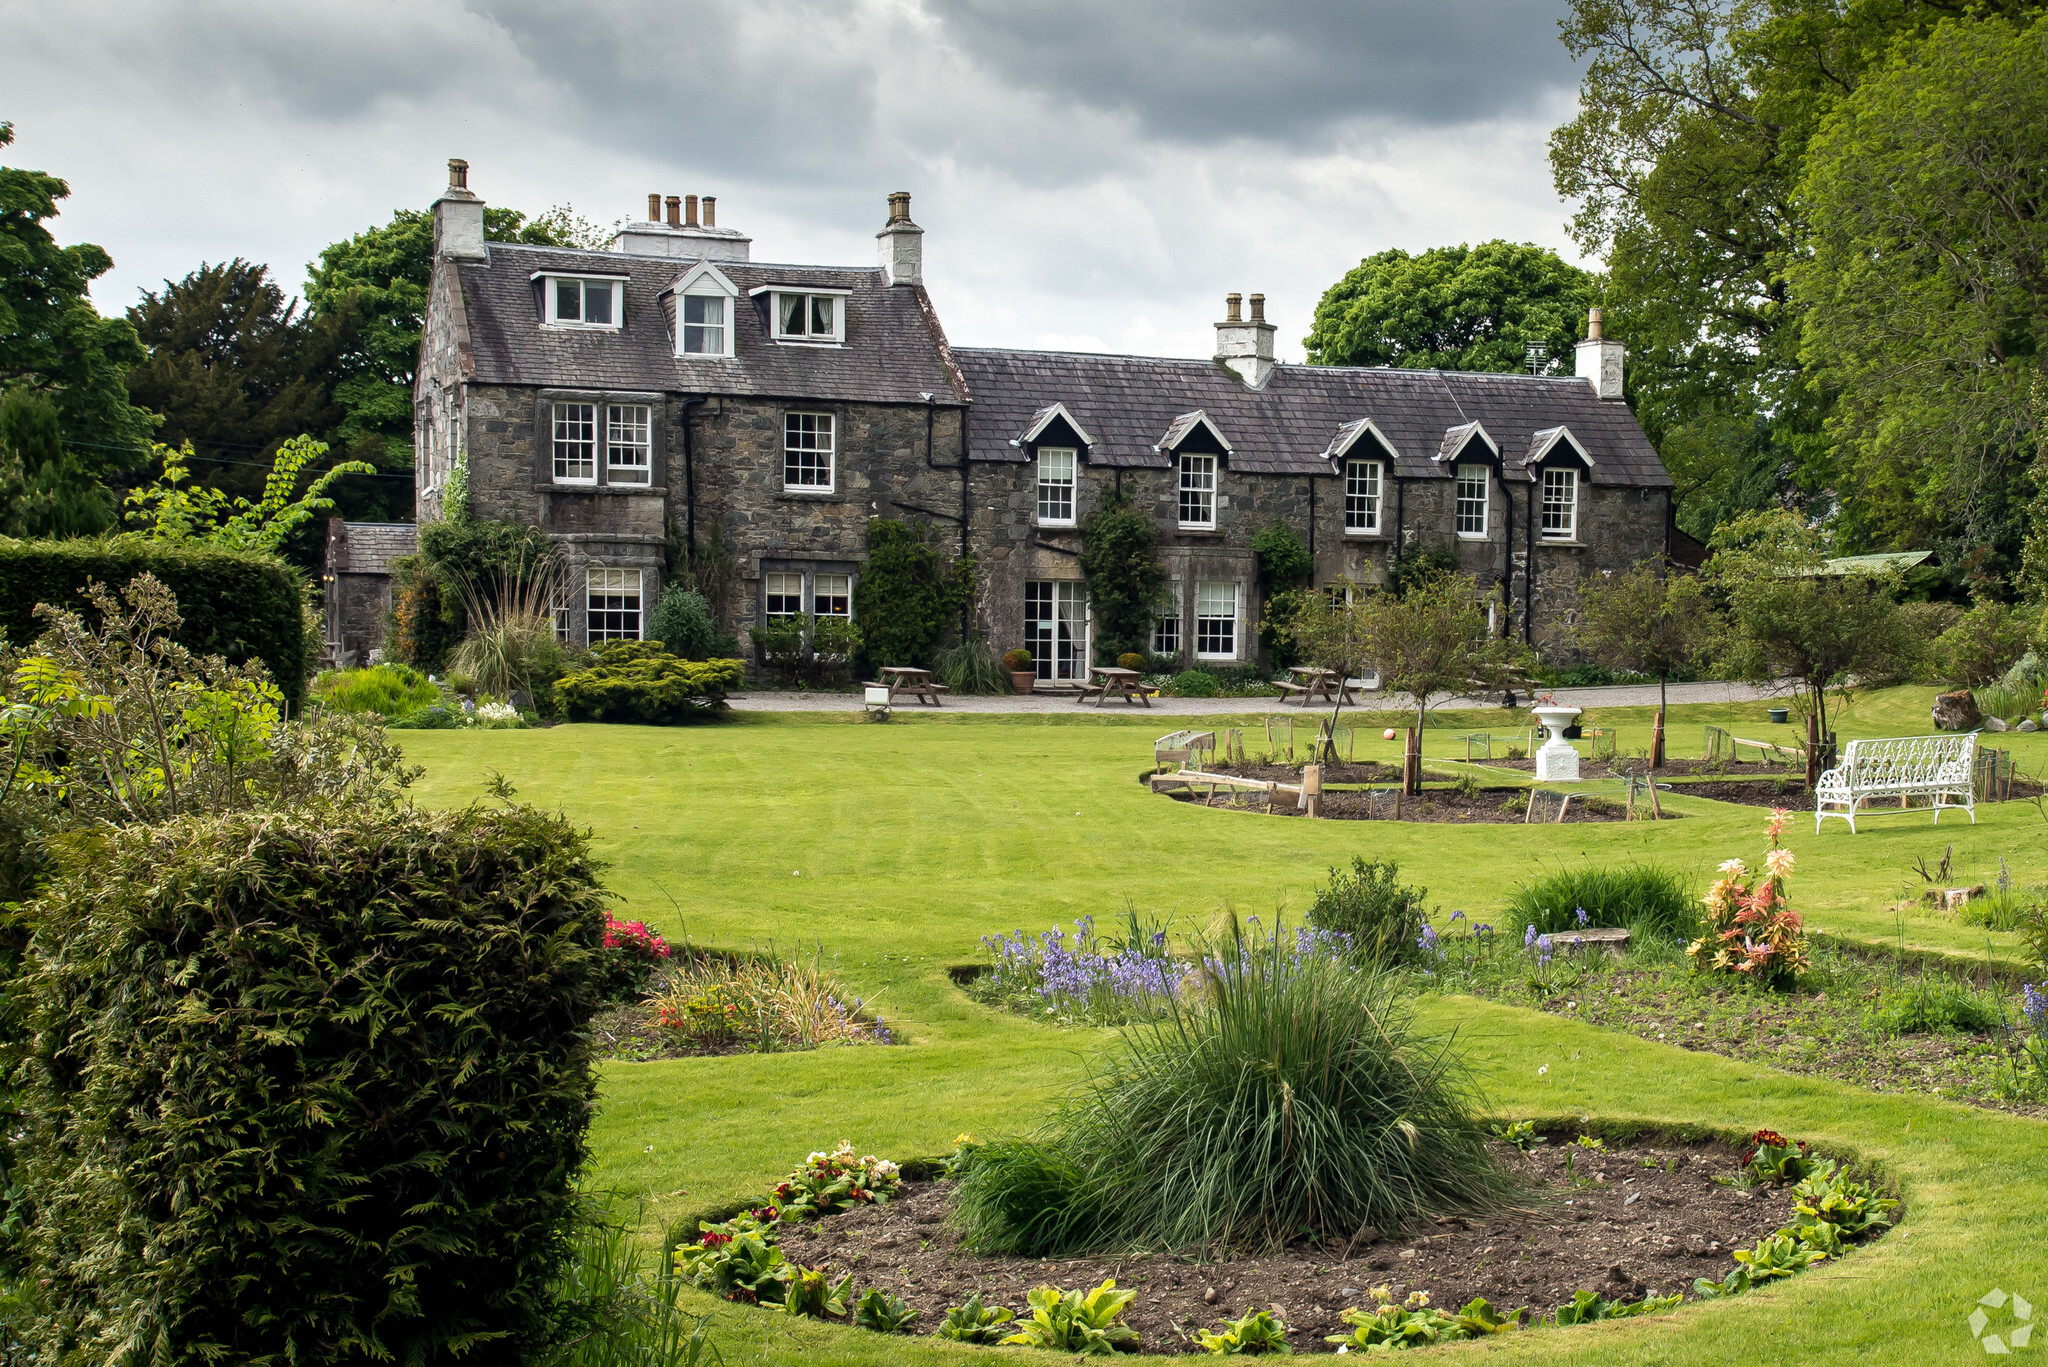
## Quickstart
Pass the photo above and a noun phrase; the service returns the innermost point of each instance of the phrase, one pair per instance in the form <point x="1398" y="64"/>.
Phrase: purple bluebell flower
<point x="1542" y="950"/>
<point x="1529" y="938"/>
<point x="1426" y="942"/>
<point x="1457" y="916"/>
<point x="2034" y="1005"/>
<point x="1583" y="918"/>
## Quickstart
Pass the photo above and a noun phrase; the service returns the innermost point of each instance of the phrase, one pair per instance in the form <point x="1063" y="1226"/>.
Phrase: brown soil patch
<point x="1367" y="772"/>
<point x="1487" y="806"/>
<point x="1750" y="792"/>
<point x="1588" y="768"/>
<point x="1635" y="1217"/>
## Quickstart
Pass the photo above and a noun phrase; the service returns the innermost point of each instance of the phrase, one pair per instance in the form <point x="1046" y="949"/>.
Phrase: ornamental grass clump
<point x="1649" y="899"/>
<point x="1291" y="1093"/>
<point x="1749" y="929"/>
<point x="763" y="1002"/>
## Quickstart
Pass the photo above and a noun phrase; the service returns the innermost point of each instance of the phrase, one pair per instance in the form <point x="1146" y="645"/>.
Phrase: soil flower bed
<point x="1622" y="1220"/>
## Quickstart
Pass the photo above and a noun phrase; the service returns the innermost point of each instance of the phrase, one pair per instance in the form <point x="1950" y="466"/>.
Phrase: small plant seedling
<point x="1593" y="1142"/>
<point x="1521" y="1133"/>
<point x="975" y="1322"/>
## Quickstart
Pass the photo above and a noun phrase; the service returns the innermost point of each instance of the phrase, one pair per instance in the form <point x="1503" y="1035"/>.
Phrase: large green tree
<point x="382" y="274"/>
<point x="56" y="350"/>
<point x="1926" y="286"/>
<point x="1454" y="308"/>
<point x="1694" y="125"/>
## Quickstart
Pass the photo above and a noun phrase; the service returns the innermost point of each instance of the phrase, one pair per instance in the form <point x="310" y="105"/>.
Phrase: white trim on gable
<point x="1348" y="435"/>
<point x="1043" y="419"/>
<point x="1456" y="439"/>
<point x="700" y="272"/>
<point x="797" y="289"/>
<point x="1543" y="443"/>
<point x="1183" y="426"/>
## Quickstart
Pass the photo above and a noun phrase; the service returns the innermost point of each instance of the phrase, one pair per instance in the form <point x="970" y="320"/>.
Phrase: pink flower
<point x="1779" y="863"/>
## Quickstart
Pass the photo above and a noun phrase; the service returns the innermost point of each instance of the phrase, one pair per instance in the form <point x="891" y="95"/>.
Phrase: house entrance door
<point x="1056" y="628"/>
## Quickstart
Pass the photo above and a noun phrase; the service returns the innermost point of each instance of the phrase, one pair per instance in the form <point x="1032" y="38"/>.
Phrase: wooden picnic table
<point x="916" y="682"/>
<point x="1112" y="682"/>
<point x="1316" y="685"/>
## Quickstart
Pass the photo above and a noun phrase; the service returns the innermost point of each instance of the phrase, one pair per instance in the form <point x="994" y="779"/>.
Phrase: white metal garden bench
<point x="1941" y="768"/>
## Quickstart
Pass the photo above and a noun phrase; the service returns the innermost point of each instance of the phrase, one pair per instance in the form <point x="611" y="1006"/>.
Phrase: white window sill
<point x="703" y="356"/>
<point x="1066" y="526"/>
<point x="810" y="490"/>
<point x="1217" y="659"/>
<point x="1364" y="535"/>
<point x="579" y="327"/>
<point x="590" y="483"/>
<point x="1197" y="527"/>
<point x="818" y="343"/>
<point x="1473" y="536"/>
<point x="1559" y="541"/>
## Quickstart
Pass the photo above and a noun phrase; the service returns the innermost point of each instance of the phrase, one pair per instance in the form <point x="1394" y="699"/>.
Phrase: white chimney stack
<point x="681" y="234"/>
<point x="901" y="243"/>
<point x="459" y="217"/>
<point x="1246" y="344"/>
<point x="1599" y="360"/>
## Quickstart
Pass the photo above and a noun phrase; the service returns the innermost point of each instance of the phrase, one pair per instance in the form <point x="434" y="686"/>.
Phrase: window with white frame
<point x="809" y="317"/>
<point x="558" y="602"/>
<point x="1472" y="500"/>
<point x="1198" y="491"/>
<point x="1055" y="487"/>
<point x="704" y="325"/>
<point x="1362" y="497"/>
<point x="1216" y="621"/>
<point x="785" y="594"/>
<point x="807" y="447"/>
<point x="1166" y="620"/>
<point x="612" y="611"/>
<point x="1560" y="504"/>
<point x="576" y="443"/>
<point x="582" y="303"/>
<point x="832" y="595"/>
<point x="628" y="443"/>
<point x="1056" y="628"/>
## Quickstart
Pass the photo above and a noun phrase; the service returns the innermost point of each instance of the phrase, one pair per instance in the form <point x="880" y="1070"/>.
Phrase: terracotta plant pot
<point x="1022" y="679"/>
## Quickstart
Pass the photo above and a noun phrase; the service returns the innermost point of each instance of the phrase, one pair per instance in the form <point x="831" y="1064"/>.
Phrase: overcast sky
<point x="1091" y="174"/>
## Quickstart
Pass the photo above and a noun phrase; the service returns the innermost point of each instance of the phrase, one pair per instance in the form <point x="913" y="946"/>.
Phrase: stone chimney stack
<point x="1246" y="344"/>
<point x="673" y="229"/>
<point x="901" y="243"/>
<point x="1599" y="360"/>
<point x="459" y="218"/>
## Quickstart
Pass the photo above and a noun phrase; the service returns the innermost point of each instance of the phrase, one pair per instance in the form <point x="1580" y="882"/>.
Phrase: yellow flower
<point x="960" y="1139"/>
<point x="1779" y="862"/>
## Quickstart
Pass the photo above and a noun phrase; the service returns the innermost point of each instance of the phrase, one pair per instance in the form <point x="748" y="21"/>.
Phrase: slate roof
<point x="369" y="547"/>
<point x="1130" y="402"/>
<point x="894" y="350"/>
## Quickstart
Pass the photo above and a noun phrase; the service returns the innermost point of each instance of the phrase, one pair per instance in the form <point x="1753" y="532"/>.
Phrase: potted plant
<point x="1023" y="674"/>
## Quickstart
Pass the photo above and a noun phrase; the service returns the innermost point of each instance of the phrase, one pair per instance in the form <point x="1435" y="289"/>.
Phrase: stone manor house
<point x="671" y="381"/>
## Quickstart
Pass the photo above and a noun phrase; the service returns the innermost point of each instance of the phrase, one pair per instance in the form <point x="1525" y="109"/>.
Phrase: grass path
<point x="893" y="849"/>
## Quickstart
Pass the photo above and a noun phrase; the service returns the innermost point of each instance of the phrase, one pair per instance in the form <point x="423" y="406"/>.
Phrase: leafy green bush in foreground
<point x="1383" y="917"/>
<point x="308" y="1088"/>
<point x="639" y="681"/>
<point x="1294" y="1094"/>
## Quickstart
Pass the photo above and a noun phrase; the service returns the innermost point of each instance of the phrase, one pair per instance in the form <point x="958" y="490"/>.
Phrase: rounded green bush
<point x="1196" y="683"/>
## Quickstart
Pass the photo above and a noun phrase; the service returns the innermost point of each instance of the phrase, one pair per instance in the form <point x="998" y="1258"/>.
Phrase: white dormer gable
<point x="1552" y="440"/>
<point x="1458" y="440"/>
<point x="1046" y="417"/>
<point x="1349" y="436"/>
<point x="1185" y="426"/>
<point x="706" y="300"/>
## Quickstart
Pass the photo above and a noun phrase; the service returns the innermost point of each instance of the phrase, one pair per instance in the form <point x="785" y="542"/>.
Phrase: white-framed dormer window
<point x="628" y="443"/>
<point x="1215" y="621"/>
<point x="1362" y="497"/>
<point x="583" y="303"/>
<point x="796" y="315"/>
<point x="575" y="443"/>
<point x="807" y="450"/>
<point x="1560" y="504"/>
<point x="1055" y="486"/>
<point x="612" y="606"/>
<point x="706" y="326"/>
<point x="1198" y="492"/>
<point x="1472" y="501"/>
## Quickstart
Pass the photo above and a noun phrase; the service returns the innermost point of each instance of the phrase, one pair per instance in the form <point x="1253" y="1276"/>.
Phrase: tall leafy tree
<point x="382" y="275"/>
<point x="1650" y="623"/>
<point x="55" y="346"/>
<point x="1454" y="308"/>
<point x="1695" y="119"/>
<point x="1926" y="286"/>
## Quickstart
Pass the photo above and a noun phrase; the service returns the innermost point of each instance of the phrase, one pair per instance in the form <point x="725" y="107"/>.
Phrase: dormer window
<point x="806" y="315"/>
<point x="1198" y="492"/>
<point x="704" y="325"/>
<point x="1560" y="504"/>
<point x="1472" y="491"/>
<point x="1055" y="486"/>
<point x="583" y="303"/>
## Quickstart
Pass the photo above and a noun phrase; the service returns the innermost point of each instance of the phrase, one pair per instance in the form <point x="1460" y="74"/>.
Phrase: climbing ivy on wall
<point x="1120" y="560"/>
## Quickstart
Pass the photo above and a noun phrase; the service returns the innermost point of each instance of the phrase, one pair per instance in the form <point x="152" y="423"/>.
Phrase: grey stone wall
<point x="356" y="607"/>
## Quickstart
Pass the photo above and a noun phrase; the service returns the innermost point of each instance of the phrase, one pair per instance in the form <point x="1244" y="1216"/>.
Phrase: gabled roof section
<point x="1542" y="443"/>
<point x="1456" y="439"/>
<point x="1046" y="417"/>
<point x="702" y="272"/>
<point x="1348" y="436"/>
<point x="894" y="352"/>
<point x="1284" y="428"/>
<point x="1185" y="426"/>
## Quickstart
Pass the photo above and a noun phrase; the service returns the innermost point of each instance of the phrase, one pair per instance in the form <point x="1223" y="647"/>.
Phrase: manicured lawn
<point x="893" y="849"/>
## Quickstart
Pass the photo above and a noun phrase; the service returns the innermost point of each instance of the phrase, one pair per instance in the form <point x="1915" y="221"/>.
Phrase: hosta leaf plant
<point x="974" y="1322"/>
<point x="1085" y="1322"/>
<point x="1259" y="1332"/>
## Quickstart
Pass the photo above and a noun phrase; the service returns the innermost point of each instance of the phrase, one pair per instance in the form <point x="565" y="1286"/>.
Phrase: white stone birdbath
<point x="1556" y="761"/>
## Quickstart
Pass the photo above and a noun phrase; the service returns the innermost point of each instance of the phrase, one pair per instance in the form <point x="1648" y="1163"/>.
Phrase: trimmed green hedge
<point x="308" y="1091"/>
<point x="236" y="604"/>
<point x="639" y="681"/>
